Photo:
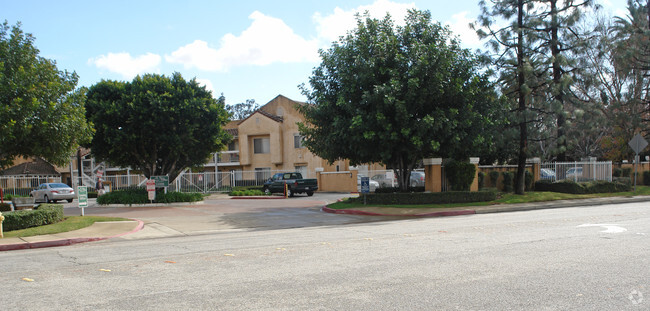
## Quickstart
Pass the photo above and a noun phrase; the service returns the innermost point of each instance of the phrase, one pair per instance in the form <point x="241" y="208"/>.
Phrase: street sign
<point x="82" y="192"/>
<point x="638" y="143"/>
<point x="151" y="189"/>
<point x="161" y="181"/>
<point x="365" y="185"/>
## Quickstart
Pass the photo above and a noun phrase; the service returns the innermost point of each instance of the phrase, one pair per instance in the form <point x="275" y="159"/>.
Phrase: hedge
<point x="5" y="207"/>
<point x="44" y="214"/>
<point x="138" y="195"/>
<point x="567" y="186"/>
<point x="396" y="189"/>
<point x="646" y="178"/>
<point x="427" y="198"/>
<point x="508" y="181"/>
<point x="246" y="193"/>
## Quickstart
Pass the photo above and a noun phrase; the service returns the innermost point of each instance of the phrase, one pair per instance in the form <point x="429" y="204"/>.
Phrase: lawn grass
<point x="68" y="224"/>
<point x="506" y="198"/>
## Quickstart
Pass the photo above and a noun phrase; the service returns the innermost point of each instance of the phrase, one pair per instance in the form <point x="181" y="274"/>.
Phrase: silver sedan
<point x="52" y="192"/>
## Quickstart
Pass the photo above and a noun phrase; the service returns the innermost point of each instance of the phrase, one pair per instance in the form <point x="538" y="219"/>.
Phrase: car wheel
<point x="310" y="193"/>
<point x="70" y="200"/>
<point x="414" y="184"/>
<point x="267" y="191"/>
<point x="289" y="192"/>
<point x="46" y="199"/>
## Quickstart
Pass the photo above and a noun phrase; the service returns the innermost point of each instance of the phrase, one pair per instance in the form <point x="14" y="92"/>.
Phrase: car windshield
<point x="59" y="186"/>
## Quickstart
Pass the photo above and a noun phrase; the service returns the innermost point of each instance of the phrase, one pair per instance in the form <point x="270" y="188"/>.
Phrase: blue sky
<point x="243" y="49"/>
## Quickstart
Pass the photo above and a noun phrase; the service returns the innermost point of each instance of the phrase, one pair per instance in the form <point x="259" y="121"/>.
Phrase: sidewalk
<point x="126" y="229"/>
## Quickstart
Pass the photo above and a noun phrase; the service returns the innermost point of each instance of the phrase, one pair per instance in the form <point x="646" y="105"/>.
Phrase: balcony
<point x="228" y="158"/>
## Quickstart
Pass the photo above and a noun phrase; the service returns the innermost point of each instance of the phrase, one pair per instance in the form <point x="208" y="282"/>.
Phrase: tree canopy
<point x="41" y="112"/>
<point x="156" y="124"/>
<point x="396" y="94"/>
<point x="241" y="111"/>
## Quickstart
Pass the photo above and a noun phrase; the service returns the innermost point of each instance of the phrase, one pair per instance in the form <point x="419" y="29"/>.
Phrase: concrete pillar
<point x="433" y="174"/>
<point x="537" y="165"/>
<point x="319" y="178"/>
<point x="474" y="186"/>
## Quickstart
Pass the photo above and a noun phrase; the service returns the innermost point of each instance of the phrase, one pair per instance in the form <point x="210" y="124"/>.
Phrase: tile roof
<point x="36" y="167"/>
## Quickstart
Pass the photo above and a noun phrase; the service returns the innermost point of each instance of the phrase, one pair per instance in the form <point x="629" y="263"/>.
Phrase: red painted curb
<point x="434" y="214"/>
<point x="65" y="242"/>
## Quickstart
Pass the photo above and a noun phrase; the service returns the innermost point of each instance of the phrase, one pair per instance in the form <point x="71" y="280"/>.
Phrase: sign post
<point x="82" y="192"/>
<point x="151" y="189"/>
<point x="638" y="143"/>
<point x="365" y="188"/>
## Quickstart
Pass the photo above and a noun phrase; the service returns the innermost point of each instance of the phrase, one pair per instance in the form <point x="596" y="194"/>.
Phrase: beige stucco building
<point x="269" y="140"/>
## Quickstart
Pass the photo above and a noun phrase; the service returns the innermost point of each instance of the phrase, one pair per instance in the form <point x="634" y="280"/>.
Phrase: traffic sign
<point x="365" y="185"/>
<point x="151" y="189"/>
<point x="82" y="193"/>
<point x="638" y="143"/>
<point x="161" y="181"/>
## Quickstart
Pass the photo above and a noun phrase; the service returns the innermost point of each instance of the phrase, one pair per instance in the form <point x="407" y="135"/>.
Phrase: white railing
<point x="576" y="171"/>
<point x="22" y="186"/>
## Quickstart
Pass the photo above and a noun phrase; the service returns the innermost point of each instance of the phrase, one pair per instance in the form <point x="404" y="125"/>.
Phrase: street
<point x="590" y="258"/>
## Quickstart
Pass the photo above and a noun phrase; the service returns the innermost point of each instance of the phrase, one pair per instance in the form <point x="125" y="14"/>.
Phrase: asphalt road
<point x="591" y="258"/>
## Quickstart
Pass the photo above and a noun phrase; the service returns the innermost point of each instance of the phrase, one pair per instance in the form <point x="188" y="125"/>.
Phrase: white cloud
<point x="208" y="85"/>
<point x="459" y="25"/>
<point x="331" y="27"/>
<point x="126" y="65"/>
<point x="267" y="40"/>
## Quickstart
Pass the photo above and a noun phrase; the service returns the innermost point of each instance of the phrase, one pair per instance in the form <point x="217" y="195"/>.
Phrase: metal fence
<point x="22" y="186"/>
<point x="576" y="171"/>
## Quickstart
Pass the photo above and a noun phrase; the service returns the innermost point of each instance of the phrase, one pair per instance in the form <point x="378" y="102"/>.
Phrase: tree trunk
<point x="521" y="80"/>
<point x="557" y="83"/>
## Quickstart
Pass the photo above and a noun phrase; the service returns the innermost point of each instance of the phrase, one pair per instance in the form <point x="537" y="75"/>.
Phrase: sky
<point x="241" y="49"/>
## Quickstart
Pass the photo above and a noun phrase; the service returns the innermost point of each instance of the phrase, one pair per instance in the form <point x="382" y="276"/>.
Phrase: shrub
<point x="567" y="186"/>
<point x="460" y="174"/>
<point x="44" y="214"/>
<point x="508" y="181"/>
<point x="396" y="189"/>
<point x="528" y="180"/>
<point x="138" y="195"/>
<point x="618" y="172"/>
<point x="627" y="172"/>
<point x="494" y="178"/>
<point x="646" y="178"/>
<point x="5" y="207"/>
<point x="481" y="180"/>
<point x="427" y="198"/>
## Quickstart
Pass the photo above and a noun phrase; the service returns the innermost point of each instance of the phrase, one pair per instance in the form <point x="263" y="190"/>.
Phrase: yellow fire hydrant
<point x="2" y="218"/>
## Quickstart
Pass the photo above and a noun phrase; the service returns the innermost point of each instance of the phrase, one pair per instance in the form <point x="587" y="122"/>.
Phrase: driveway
<point x="224" y="214"/>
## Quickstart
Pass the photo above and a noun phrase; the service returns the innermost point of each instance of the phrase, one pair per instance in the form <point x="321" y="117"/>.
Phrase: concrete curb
<point x="433" y="214"/>
<point x="66" y="242"/>
<point x="258" y="198"/>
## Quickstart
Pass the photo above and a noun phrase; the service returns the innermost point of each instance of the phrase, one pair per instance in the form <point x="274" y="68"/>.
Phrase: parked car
<point x="52" y="192"/>
<point x="547" y="173"/>
<point x="574" y="172"/>
<point x="371" y="183"/>
<point x="417" y="180"/>
<point x="295" y="184"/>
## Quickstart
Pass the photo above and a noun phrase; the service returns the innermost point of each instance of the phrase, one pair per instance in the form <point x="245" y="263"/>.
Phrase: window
<point x="297" y="141"/>
<point x="232" y="146"/>
<point x="261" y="145"/>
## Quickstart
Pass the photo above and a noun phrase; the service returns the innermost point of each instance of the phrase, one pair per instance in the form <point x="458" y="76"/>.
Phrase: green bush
<point x="138" y="195"/>
<point x="627" y="172"/>
<point x="618" y="172"/>
<point x="247" y="193"/>
<point x="567" y="186"/>
<point x="427" y="198"/>
<point x="508" y="178"/>
<point x="528" y="180"/>
<point x="460" y="174"/>
<point x="5" y="207"/>
<point x="396" y="189"/>
<point x="44" y="214"/>
<point x="494" y="178"/>
<point x="481" y="180"/>
<point x="646" y="178"/>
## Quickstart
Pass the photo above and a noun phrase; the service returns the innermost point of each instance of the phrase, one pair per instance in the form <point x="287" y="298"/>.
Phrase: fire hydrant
<point x="2" y="218"/>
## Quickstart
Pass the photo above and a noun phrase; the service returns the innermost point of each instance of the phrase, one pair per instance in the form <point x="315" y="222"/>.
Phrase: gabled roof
<point x="273" y="117"/>
<point x="36" y="167"/>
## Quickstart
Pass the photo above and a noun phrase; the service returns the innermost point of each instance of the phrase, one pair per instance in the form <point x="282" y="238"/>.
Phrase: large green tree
<point x="396" y="94"/>
<point x="156" y="124"/>
<point x="241" y="111"/>
<point x="41" y="112"/>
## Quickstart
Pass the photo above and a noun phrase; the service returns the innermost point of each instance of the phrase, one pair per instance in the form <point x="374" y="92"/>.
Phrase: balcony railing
<point x="227" y="158"/>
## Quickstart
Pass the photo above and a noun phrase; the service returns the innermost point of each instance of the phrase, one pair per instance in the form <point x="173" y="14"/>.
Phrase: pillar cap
<point x="432" y="161"/>
<point x="320" y="169"/>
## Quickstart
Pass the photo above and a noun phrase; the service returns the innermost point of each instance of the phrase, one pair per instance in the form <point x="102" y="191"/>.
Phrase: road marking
<point x="609" y="228"/>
